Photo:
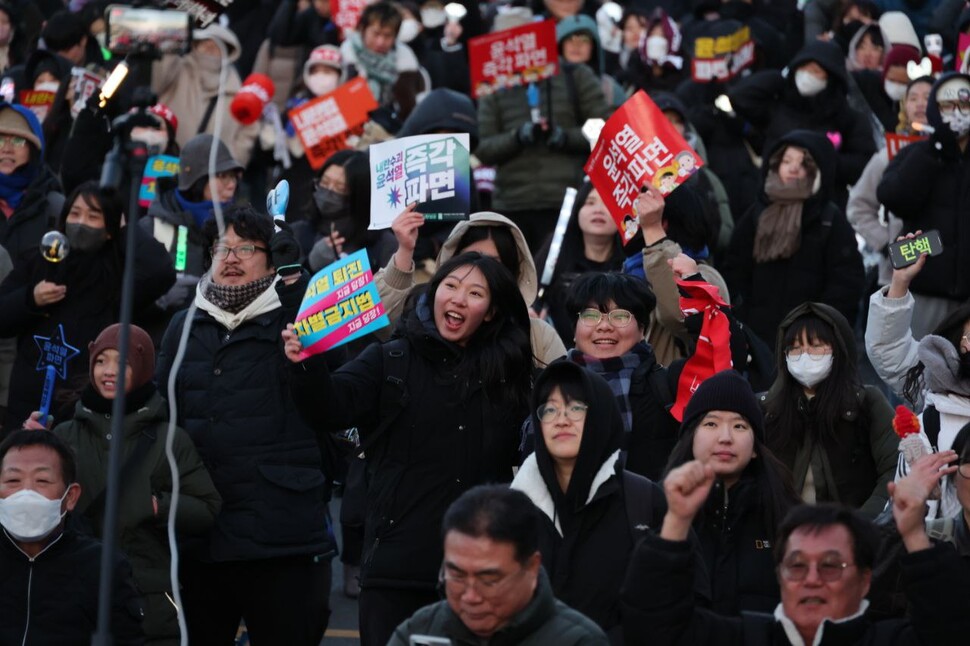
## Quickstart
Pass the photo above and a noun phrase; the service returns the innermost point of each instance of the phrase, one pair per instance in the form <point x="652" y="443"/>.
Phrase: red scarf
<point x="713" y="351"/>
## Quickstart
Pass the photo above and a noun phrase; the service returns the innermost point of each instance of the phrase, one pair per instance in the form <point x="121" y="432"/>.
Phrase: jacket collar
<point x="529" y="481"/>
<point x="850" y="624"/>
<point x="266" y="302"/>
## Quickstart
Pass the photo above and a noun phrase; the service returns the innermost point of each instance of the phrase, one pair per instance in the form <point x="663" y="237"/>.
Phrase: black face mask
<point x="964" y="370"/>
<point x="85" y="238"/>
<point x="330" y="204"/>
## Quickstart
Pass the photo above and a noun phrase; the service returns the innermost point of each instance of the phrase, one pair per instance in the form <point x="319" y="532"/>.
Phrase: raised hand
<point x="686" y="488"/>
<point x="909" y="496"/>
<point x="405" y="228"/>
<point x="291" y="344"/>
<point x="649" y="209"/>
<point x="903" y="277"/>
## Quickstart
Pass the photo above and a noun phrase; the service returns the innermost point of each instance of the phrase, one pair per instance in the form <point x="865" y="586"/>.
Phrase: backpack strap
<point x="931" y="425"/>
<point x="394" y="395"/>
<point x="204" y="124"/>
<point x="941" y="529"/>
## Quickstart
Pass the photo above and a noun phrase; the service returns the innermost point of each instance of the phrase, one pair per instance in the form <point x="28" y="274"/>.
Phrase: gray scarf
<point x="779" y="233"/>
<point x="380" y="69"/>
<point x="234" y="298"/>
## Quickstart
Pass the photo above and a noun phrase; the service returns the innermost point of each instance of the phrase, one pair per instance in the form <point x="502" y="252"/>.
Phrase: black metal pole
<point x="137" y="156"/>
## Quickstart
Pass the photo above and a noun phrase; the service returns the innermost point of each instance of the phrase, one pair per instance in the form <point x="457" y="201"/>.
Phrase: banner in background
<point x="513" y="57"/>
<point x="157" y="166"/>
<point x="341" y="304"/>
<point x="432" y="170"/>
<point x="722" y="58"/>
<point x="638" y="145"/>
<point x="38" y="102"/>
<point x="895" y="143"/>
<point x="346" y="14"/>
<point x="322" y="123"/>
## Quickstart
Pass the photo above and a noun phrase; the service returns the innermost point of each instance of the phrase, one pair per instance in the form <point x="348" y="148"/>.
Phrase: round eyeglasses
<point x="617" y="318"/>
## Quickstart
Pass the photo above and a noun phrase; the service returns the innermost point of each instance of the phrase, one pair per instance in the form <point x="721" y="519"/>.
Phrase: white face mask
<point x="959" y="123"/>
<point x="657" y="48"/>
<point x="809" y="371"/>
<point x="48" y="86"/>
<point x="29" y="516"/>
<point x="433" y="17"/>
<point x="895" y="91"/>
<point x="322" y="83"/>
<point x="409" y="30"/>
<point x="156" y="140"/>
<point x="808" y="84"/>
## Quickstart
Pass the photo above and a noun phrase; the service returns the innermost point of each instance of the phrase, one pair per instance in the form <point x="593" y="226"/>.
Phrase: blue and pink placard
<point x="341" y="304"/>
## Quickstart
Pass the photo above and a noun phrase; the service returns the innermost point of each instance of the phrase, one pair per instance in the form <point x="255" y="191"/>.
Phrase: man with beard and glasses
<point x="267" y="560"/>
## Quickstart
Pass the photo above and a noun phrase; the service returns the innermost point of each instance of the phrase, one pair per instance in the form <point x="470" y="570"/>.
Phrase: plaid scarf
<point x="380" y="70"/>
<point x="234" y="298"/>
<point x="618" y="372"/>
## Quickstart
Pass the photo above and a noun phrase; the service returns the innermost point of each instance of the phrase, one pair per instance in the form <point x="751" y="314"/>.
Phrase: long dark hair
<point x="499" y="353"/>
<point x="573" y="245"/>
<point x="776" y="495"/>
<point x="951" y="329"/>
<point x="833" y="396"/>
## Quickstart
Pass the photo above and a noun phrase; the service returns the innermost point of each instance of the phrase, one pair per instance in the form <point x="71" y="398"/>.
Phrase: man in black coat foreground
<point x="824" y="559"/>
<point x="49" y="575"/>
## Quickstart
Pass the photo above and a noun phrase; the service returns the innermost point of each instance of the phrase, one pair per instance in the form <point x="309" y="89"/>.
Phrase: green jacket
<point x="535" y="177"/>
<point x="544" y="621"/>
<point x="143" y="533"/>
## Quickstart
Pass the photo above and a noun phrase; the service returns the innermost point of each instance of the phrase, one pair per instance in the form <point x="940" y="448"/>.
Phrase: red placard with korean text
<point x="638" y="145"/>
<point x="346" y="14"/>
<point x="513" y="57"/>
<point x="895" y="143"/>
<point x="322" y="123"/>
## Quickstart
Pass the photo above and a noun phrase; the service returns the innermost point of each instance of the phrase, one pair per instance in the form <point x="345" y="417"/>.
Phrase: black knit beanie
<point x="728" y="391"/>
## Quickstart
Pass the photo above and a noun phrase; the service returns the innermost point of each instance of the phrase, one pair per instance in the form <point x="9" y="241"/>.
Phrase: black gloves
<point x="284" y="250"/>
<point x="529" y="134"/>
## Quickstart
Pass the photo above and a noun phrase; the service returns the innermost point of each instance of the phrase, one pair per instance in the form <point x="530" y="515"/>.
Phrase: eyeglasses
<point x="617" y="318"/>
<point x="947" y="107"/>
<point x="333" y="186"/>
<point x="488" y="586"/>
<point x="575" y="412"/>
<point x="964" y="469"/>
<point x="828" y="570"/>
<point x="12" y="140"/>
<point x="243" y="252"/>
<point x="228" y="176"/>
<point x="816" y="352"/>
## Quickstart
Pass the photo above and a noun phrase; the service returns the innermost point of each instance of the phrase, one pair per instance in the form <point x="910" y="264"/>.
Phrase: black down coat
<point x="927" y="185"/>
<point x="827" y="267"/>
<point x="434" y="443"/>
<point x="771" y="103"/>
<point x="233" y="396"/>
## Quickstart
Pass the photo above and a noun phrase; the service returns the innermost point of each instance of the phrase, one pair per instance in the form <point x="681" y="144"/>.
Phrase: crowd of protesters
<point x="521" y="458"/>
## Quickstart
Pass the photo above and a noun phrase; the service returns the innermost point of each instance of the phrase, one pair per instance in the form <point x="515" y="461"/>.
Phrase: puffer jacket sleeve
<point x="497" y="143"/>
<point x="890" y="344"/>
<point x="910" y="180"/>
<point x="661" y="279"/>
<point x="884" y="446"/>
<point x="845" y="277"/>
<point x="862" y="210"/>
<point x="199" y="501"/>
<point x="658" y="603"/>
<point x="393" y="286"/>
<point x="592" y="104"/>
<point x="349" y="397"/>
<point x="546" y="344"/>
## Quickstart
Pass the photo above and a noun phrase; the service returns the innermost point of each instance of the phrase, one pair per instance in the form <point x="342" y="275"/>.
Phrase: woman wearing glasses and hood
<point x="592" y="509"/>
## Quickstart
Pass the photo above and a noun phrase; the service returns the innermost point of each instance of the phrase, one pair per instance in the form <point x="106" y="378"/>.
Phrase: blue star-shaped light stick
<point x="55" y="352"/>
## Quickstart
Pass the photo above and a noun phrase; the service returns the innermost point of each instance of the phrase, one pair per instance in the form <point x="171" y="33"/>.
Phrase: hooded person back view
<point x="189" y="85"/>
<point x="813" y="96"/>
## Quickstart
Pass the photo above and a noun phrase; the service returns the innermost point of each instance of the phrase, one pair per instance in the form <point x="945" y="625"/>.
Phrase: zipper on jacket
<point x="30" y="583"/>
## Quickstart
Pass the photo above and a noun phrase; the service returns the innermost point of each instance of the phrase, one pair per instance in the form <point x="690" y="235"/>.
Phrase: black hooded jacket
<point x="771" y="103"/>
<point x="927" y="185"/>
<point x="826" y="268"/>
<point x="585" y="535"/>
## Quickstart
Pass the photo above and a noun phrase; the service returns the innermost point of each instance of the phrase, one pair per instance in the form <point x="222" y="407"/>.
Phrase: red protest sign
<point x="322" y="123"/>
<point x="346" y="14"/>
<point x="895" y="143"/>
<point x="37" y="101"/>
<point x="963" y="44"/>
<point x="638" y="145"/>
<point x="722" y="58"/>
<point x="513" y="57"/>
